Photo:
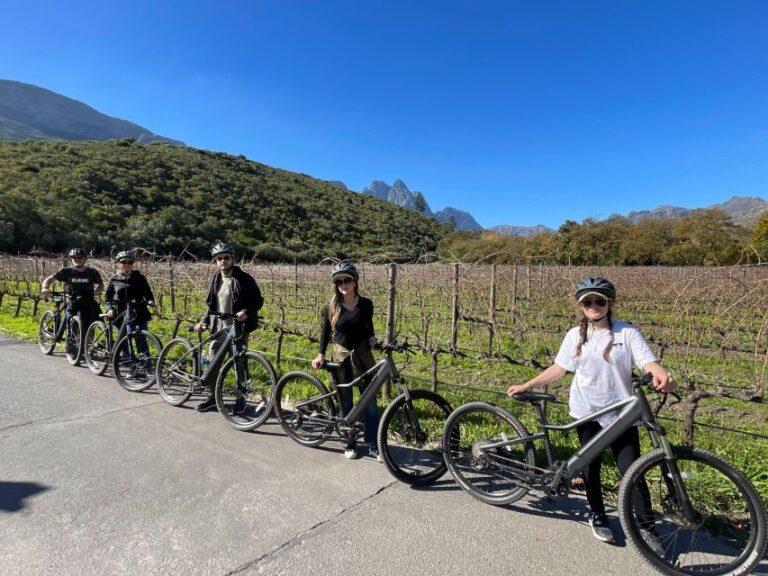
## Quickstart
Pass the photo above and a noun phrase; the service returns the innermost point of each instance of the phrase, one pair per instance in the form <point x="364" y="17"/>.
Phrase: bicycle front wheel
<point x="304" y="416"/>
<point x="492" y="475"/>
<point x="244" y="390"/>
<point x="723" y="532"/>
<point x="75" y="341"/>
<point x="46" y="332"/>
<point x="177" y="371"/>
<point x="97" y="347"/>
<point x="410" y="437"/>
<point x="135" y="360"/>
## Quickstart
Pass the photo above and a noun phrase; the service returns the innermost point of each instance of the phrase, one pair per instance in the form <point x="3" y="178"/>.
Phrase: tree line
<point x="705" y="237"/>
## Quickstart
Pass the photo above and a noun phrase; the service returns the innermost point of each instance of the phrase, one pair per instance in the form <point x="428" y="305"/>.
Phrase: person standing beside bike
<point x="233" y="291"/>
<point x="128" y="285"/>
<point x="349" y="318"/>
<point x="82" y="284"/>
<point x="600" y="352"/>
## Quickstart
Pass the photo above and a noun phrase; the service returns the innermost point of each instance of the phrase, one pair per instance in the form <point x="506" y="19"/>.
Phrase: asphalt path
<point x="97" y="480"/>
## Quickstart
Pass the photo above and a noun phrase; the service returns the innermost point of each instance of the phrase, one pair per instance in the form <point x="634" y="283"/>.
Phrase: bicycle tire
<point x="477" y="471"/>
<point x="74" y="341"/>
<point x="176" y="371"/>
<point x="412" y="457"/>
<point x="137" y="372"/>
<point x="728" y="535"/>
<point x="46" y="332"/>
<point x="97" y="350"/>
<point x="310" y="424"/>
<point x="257" y="391"/>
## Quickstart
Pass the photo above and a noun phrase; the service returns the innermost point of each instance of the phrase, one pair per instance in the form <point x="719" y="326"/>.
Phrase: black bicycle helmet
<point x="344" y="269"/>
<point x="77" y="252"/>
<point x="125" y="255"/>
<point x="596" y="284"/>
<point x="221" y="248"/>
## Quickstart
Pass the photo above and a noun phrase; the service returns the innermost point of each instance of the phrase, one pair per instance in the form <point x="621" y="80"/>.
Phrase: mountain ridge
<point x="29" y="112"/>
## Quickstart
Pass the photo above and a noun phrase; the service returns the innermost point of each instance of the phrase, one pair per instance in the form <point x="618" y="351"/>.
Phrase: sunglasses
<point x="126" y="262"/>
<point x="223" y="258"/>
<point x="600" y="302"/>
<point x="345" y="280"/>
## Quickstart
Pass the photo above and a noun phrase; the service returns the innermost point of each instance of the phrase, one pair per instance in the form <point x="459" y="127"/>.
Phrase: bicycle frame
<point x="632" y="409"/>
<point x="234" y="343"/>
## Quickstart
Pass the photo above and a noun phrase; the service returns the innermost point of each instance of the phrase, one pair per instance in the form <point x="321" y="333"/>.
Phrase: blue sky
<point x="521" y="113"/>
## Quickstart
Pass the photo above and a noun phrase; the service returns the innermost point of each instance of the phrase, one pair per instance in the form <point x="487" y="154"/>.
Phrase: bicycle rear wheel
<point x="176" y="371"/>
<point x="46" y="332"/>
<point x="135" y="360"/>
<point x="726" y="532"/>
<point x="492" y="475"/>
<point x="74" y="342"/>
<point x="410" y="437"/>
<point x="244" y="390"/>
<point x="304" y="418"/>
<point x="97" y="347"/>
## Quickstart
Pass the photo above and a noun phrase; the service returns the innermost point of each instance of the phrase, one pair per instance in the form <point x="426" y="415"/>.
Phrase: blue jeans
<point x="370" y="415"/>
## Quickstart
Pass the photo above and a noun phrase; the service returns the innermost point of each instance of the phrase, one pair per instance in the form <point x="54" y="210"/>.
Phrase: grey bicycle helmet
<point x="77" y="252"/>
<point x="596" y="285"/>
<point x="344" y="269"/>
<point x="221" y="248"/>
<point x="125" y="255"/>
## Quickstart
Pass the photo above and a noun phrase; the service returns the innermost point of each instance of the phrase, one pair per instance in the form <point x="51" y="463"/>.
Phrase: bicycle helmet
<point x="125" y="255"/>
<point x="77" y="252"/>
<point x="222" y="247"/>
<point x="594" y="285"/>
<point x="344" y="269"/>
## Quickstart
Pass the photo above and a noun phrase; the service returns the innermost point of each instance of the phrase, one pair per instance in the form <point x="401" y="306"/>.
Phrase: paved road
<point x="97" y="480"/>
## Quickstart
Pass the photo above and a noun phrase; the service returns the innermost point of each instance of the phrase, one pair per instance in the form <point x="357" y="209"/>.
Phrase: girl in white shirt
<point x="600" y="352"/>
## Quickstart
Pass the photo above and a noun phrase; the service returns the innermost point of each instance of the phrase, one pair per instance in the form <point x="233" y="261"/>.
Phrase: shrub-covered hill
<point x="109" y="195"/>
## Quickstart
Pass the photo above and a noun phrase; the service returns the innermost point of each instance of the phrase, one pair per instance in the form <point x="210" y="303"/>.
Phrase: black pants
<point x="626" y="449"/>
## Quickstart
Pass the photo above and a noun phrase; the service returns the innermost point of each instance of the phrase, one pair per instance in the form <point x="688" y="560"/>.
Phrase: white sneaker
<point x="350" y="451"/>
<point x="600" y="528"/>
<point x="374" y="453"/>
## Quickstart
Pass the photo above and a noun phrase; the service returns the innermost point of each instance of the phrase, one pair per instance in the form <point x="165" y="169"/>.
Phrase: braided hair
<point x="584" y="327"/>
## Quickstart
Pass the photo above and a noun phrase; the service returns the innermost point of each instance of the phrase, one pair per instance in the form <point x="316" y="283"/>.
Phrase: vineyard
<point x="477" y="329"/>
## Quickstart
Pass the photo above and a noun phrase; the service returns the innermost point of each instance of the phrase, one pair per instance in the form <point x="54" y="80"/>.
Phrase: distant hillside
<point x="106" y="196"/>
<point x="28" y="112"/>
<point x="522" y="231"/>
<point x="743" y="210"/>
<point x="399" y="194"/>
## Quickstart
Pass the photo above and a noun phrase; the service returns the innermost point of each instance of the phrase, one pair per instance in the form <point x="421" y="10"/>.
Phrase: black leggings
<point x="626" y="449"/>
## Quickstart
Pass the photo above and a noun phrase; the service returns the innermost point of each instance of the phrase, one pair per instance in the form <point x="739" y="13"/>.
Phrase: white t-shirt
<point x="597" y="383"/>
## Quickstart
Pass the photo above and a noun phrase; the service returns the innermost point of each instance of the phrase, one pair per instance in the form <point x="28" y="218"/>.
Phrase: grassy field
<point x="707" y="324"/>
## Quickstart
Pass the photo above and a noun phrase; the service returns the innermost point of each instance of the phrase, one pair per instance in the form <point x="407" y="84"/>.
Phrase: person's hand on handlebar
<point x="200" y="327"/>
<point x="241" y="316"/>
<point x="318" y="361"/>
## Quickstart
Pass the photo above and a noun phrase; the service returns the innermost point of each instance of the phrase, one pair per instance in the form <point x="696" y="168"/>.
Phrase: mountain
<point x="28" y="112"/>
<point x="743" y="210"/>
<point x="522" y="231"/>
<point x="399" y="194"/>
<point x="119" y="194"/>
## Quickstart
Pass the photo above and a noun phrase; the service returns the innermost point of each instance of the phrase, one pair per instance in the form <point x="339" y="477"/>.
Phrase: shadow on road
<point x="13" y="494"/>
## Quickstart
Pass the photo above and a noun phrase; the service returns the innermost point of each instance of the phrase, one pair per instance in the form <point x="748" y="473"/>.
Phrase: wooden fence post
<point x="528" y="283"/>
<point x="391" y="298"/>
<point x="514" y="294"/>
<point x="433" y="370"/>
<point x="492" y="311"/>
<point x="171" y="285"/>
<point x="455" y="309"/>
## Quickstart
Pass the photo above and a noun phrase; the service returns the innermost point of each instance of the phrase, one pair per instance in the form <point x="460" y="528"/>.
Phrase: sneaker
<point x="208" y="404"/>
<point x="653" y="542"/>
<point x="600" y="527"/>
<point x="239" y="407"/>
<point x="350" y="451"/>
<point x="373" y="452"/>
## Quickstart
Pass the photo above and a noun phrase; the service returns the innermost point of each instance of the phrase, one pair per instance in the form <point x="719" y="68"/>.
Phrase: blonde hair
<point x="335" y="304"/>
<point x="584" y="326"/>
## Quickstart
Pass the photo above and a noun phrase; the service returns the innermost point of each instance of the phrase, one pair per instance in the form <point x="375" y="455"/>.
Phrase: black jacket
<point x="122" y="289"/>
<point x="245" y="296"/>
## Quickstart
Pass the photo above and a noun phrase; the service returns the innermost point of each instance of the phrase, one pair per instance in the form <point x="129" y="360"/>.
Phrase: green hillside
<point x="109" y="195"/>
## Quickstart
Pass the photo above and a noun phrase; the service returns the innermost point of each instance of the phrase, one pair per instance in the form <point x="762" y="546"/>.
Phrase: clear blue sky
<point x="522" y="113"/>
